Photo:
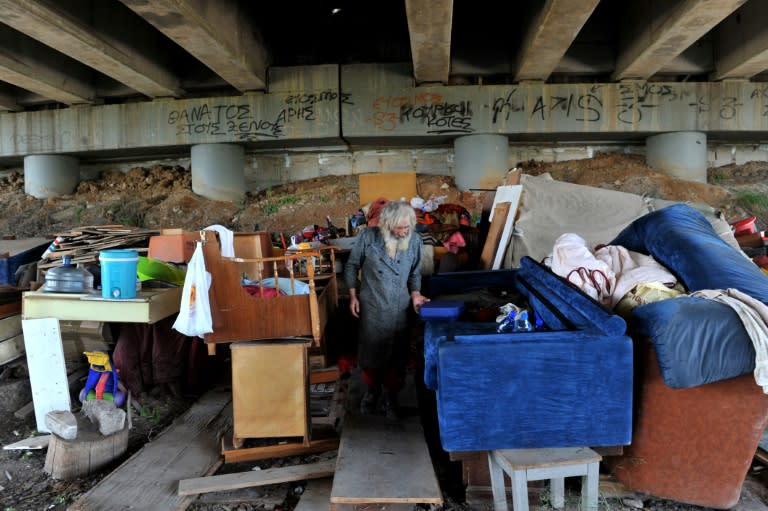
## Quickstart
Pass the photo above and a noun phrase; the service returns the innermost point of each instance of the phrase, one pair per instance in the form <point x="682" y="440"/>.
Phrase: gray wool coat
<point x="384" y="292"/>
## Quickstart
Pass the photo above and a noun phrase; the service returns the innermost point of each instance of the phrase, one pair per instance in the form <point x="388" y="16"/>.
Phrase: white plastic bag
<point x="195" y="310"/>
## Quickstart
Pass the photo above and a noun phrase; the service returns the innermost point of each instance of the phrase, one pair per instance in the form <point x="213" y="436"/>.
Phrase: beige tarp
<point x="549" y="208"/>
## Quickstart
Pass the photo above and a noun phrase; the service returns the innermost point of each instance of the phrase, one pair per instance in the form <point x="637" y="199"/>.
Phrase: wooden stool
<point x="523" y="465"/>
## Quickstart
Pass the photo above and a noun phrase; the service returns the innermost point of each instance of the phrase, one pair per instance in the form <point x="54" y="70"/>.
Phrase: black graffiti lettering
<point x="329" y="95"/>
<point x="563" y="103"/>
<point x="237" y="112"/>
<point x="346" y="98"/>
<point x="633" y="113"/>
<point x="215" y="129"/>
<point x="450" y="125"/>
<point x="311" y="98"/>
<point x="585" y="102"/>
<point x="539" y="108"/>
<point x="306" y="113"/>
<point x="729" y="108"/>
<point x="429" y="112"/>
<point x="504" y="106"/>
<point x="190" y="116"/>
<point x="700" y="104"/>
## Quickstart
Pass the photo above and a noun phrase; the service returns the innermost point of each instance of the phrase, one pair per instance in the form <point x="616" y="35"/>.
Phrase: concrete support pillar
<point x="681" y="154"/>
<point x="50" y="175"/>
<point x="481" y="161"/>
<point x="218" y="171"/>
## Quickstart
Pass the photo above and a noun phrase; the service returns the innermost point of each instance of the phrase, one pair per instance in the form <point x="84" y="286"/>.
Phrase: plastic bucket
<point x="118" y="273"/>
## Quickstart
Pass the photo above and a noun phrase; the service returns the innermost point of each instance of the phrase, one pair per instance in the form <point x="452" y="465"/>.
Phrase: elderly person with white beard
<point x="387" y="258"/>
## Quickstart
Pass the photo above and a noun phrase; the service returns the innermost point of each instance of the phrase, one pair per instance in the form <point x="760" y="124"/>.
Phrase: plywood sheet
<point x="390" y="185"/>
<point x="381" y="461"/>
<point x="500" y="212"/>
<point x="269" y="389"/>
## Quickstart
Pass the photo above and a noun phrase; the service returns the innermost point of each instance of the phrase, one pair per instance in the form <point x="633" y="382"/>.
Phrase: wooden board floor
<point x="150" y="478"/>
<point x="381" y="461"/>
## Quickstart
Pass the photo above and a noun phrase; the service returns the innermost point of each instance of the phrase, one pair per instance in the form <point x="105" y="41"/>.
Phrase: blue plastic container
<point x="118" y="273"/>
<point x="442" y="310"/>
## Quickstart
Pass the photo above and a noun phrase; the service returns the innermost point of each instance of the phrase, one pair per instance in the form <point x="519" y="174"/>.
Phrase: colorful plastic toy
<point x="102" y="382"/>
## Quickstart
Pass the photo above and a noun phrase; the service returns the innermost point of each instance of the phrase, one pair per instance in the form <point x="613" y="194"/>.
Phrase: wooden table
<point x="41" y="312"/>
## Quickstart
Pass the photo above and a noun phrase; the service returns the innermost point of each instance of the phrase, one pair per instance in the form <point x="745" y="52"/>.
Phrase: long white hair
<point x="394" y="214"/>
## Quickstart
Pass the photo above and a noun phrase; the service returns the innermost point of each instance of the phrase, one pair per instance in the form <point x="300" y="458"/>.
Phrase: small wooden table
<point x="41" y="312"/>
<point x="523" y="465"/>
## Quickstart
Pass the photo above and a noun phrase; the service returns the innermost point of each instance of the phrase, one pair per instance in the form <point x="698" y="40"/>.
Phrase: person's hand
<point x="418" y="300"/>
<point x="354" y="306"/>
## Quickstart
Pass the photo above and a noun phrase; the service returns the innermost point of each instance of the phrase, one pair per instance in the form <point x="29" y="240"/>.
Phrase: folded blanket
<point x="754" y="315"/>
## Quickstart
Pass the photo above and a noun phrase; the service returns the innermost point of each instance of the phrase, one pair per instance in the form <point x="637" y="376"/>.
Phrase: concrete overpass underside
<point x="101" y="79"/>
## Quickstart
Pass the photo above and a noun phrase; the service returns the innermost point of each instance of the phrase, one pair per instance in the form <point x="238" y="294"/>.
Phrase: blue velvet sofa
<point x="568" y="384"/>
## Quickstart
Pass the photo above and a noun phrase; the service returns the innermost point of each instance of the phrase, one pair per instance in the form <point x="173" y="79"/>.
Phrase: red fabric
<point x="454" y="242"/>
<point x="150" y="355"/>
<point x="262" y="292"/>
<point x="375" y="210"/>
<point x="346" y="363"/>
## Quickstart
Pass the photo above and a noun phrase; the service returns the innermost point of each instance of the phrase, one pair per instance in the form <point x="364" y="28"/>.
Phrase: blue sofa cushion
<point x="697" y="340"/>
<point x="563" y="305"/>
<point x="683" y="240"/>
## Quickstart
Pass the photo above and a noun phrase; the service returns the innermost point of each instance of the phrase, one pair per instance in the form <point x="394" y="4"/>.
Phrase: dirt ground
<point x="162" y="197"/>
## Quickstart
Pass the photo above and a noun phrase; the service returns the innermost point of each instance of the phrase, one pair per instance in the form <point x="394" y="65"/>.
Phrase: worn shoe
<point x="369" y="401"/>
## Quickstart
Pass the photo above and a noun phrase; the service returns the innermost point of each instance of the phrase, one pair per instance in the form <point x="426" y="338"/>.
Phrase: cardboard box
<point x="173" y="245"/>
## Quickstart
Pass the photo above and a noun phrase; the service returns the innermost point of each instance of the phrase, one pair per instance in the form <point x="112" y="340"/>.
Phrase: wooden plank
<point x="33" y="442"/>
<point x="279" y="451"/>
<point x="148" y="480"/>
<point x="384" y="462"/>
<point x="9" y="309"/>
<point x="500" y="213"/>
<point x="316" y="496"/>
<point x="11" y="349"/>
<point x="47" y="369"/>
<point x="257" y="478"/>
<point x="511" y="193"/>
<point x="371" y="507"/>
<point x="390" y="185"/>
<point x="324" y="374"/>
<point x="10" y="326"/>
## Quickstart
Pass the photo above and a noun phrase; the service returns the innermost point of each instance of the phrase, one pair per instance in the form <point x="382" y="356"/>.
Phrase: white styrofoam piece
<point x="47" y="369"/>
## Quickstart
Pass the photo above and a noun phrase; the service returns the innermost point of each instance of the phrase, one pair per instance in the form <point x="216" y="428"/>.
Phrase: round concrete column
<point x="50" y="175"/>
<point x="481" y="161"/>
<point x="681" y="154"/>
<point x="218" y="171"/>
